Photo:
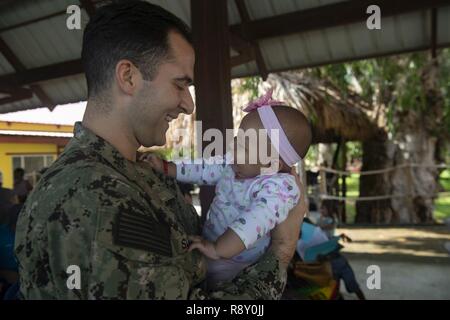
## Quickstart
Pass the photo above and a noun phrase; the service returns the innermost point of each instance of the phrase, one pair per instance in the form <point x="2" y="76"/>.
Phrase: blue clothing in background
<point x="7" y="258"/>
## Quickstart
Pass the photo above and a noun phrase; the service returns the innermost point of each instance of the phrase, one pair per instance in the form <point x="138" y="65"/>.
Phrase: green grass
<point x="352" y="182"/>
<point x="442" y="204"/>
<point x="441" y="208"/>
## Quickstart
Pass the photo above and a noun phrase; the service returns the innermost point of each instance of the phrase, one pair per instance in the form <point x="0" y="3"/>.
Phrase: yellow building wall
<point x="8" y="150"/>
<point x="25" y="126"/>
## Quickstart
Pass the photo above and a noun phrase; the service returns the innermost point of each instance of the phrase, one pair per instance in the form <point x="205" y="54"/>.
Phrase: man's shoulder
<point x="78" y="166"/>
<point x="83" y="182"/>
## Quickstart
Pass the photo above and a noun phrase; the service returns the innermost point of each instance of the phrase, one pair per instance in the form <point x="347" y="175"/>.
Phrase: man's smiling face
<point x="166" y="96"/>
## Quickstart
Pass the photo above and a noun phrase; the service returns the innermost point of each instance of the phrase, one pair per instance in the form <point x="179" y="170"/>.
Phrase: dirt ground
<point x="413" y="261"/>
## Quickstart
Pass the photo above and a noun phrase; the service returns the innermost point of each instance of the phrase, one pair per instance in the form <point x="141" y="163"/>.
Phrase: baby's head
<point x="295" y="126"/>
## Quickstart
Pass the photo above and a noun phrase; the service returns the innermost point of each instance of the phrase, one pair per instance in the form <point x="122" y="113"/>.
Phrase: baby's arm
<point x="201" y="171"/>
<point x="226" y="246"/>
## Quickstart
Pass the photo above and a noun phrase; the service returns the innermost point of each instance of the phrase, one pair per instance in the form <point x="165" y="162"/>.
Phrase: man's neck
<point x="113" y="130"/>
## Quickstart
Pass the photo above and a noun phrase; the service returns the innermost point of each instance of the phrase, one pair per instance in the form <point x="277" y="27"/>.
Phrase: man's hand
<point x="153" y="160"/>
<point x="158" y="164"/>
<point x="286" y="234"/>
<point x="204" y="246"/>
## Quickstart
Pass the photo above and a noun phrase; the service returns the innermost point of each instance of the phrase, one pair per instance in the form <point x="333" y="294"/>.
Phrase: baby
<point x="248" y="204"/>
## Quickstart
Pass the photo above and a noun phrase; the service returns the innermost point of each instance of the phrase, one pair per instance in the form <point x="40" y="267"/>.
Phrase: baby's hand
<point x="204" y="246"/>
<point x="153" y="160"/>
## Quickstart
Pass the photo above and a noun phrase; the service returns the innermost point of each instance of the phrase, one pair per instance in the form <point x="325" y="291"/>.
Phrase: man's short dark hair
<point x="133" y="30"/>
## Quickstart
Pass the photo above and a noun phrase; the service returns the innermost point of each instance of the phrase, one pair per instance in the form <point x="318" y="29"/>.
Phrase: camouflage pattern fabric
<point x="126" y="227"/>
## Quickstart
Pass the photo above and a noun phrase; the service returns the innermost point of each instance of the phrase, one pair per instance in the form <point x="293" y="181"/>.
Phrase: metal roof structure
<point x="40" y="57"/>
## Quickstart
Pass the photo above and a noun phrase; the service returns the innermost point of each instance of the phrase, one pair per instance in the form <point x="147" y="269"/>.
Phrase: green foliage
<point x="354" y="150"/>
<point x="170" y="154"/>
<point x="444" y="81"/>
<point x="250" y="85"/>
<point x="393" y="81"/>
<point x="312" y="155"/>
<point x="165" y="153"/>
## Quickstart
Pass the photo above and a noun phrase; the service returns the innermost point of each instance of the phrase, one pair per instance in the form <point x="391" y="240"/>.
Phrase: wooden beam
<point x="88" y="6"/>
<point x="19" y="66"/>
<point x="244" y="57"/>
<point x="212" y="73"/>
<point x="327" y="16"/>
<point x="238" y="44"/>
<point x="17" y="96"/>
<point x="45" y="73"/>
<point x="15" y="91"/>
<point x="358" y="58"/>
<point x="433" y="33"/>
<point x="245" y="17"/>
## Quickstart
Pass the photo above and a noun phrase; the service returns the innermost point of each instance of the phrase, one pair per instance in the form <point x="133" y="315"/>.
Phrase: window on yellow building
<point x="32" y="164"/>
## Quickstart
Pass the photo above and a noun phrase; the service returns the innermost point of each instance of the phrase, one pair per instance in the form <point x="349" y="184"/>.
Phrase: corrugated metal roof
<point x="49" y="41"/>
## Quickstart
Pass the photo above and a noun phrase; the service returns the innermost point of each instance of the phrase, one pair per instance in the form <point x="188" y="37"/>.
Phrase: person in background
<point x="22" y="187"/>
<point x="327" y="221"/>
<point x="7" y="200"/>
<point x="8" y="264"/>
<point x="311" y="236"/>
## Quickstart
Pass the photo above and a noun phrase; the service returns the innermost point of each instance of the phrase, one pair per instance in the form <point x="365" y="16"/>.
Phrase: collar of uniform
<point x="97" y="144"/>
<point x="130" y="169"/>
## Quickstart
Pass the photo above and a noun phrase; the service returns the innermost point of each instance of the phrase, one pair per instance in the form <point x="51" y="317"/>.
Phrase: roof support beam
<point x="18" y="66"/>
<point x="245" y="17"/>
<point x="212" y="73"/>
<point x="434" y="33"/>
<point x="45" y="73"/>
<point x="16" y="95"/>
<point x="327" y="16"/>
<point x="245" y="57"/>
<point x="88" y="6"/>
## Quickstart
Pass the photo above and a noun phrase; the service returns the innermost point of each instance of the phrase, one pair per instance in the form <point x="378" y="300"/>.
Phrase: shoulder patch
<point x="135" y="230"/>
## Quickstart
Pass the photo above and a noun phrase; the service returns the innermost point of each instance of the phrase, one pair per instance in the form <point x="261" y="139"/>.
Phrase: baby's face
<point x="251" y="152"/>
<point x="245" y="163"/>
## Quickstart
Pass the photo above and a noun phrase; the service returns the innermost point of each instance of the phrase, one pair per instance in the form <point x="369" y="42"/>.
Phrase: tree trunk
<point x="418" y="183"/>
<point x="375" y="157"/>
<point x="412" y="188"/>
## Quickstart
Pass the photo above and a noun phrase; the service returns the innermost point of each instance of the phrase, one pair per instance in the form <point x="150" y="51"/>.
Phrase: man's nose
<point x="187" y="103"/>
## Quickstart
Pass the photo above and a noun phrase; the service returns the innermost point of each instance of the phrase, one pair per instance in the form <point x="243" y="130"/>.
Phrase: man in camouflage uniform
<point x="125" y="226"/>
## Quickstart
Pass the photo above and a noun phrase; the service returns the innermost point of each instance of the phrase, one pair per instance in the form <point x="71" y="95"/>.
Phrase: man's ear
<point x="127" y="76"/>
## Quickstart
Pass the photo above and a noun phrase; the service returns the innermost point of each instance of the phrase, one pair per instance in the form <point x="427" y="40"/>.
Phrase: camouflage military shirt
<point x="125" y="227"/>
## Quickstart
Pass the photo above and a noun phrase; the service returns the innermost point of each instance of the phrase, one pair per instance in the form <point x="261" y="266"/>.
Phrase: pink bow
<point x="264" y="100"/>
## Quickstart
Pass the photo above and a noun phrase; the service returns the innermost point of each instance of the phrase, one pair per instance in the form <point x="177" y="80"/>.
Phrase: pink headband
<point x="270" y="122"/>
